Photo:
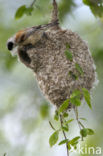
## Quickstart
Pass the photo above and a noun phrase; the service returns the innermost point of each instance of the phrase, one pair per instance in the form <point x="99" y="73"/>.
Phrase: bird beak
<point x="12" y="46"/>
<point x="10" y="43"/>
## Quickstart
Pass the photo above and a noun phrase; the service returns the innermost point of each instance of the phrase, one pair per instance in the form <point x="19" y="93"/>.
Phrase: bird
<point x="43" y="49"/>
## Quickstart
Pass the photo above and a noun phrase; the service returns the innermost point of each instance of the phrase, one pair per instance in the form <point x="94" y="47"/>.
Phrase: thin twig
<point x="54" y="16"/>
<point x="77" y="118"/>
<point x="55" y="11"/>
<point x="64" y="135"/>
<point x="32" y="3"/>
<point x="76" y="114"/>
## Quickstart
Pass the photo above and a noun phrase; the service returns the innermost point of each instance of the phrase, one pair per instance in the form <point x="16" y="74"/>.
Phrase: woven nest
<point x="54" y="71"/>
<point x="58" y="76"/>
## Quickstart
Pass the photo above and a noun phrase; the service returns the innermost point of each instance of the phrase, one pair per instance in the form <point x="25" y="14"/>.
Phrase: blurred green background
<point x="24" y="112"/>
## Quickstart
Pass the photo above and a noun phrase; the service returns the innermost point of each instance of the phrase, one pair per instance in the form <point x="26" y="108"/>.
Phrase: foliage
<point x="44" y="110"/>
<point x="64" y="128"/>
<point x="64" y="106"/>
<point x="74" y="76"/>
<point x="62" y="116"/>
<point x="23" y="10"/>
<point x="68" y="53"/>
<point x="54" y="138"/>
<point x="86" y="131"/>
<point x="79" y="69"/>
<point x="96" y="6"/>
<point x="94" y="38"/>
<point x="36" y="9"/>
<point x="64" y="8"/>
<point x="87" y="97"/>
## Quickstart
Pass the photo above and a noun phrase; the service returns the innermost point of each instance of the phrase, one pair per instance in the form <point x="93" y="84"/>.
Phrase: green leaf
<point x="67" y="46"/>
<point x="54" y="138"/>
<point x="56" y="116"/>
<point x="69" y="121"/>
<point x="20" y="12"/>
<point x="65" y="129"/>
<point x="79" y="69"/>
<point x="96" y="7"/>
<point x="75" y="93"/>
<point x="87" y="2"/>
<point x="74" y="141"/>
<point x="68" y="55"/>
<point x="90" y="131"/>
<point x="83" y="119"/>
<point x="84" y="132"/>
<point x="63" y="142"/>
<point x="64" y="106"/>
<point x="75" y="101"/>
<point x="65" y="115"/>
<point x="74" y="144"/>
<point x="51" y="126"/>
<point x="44" y="110"/>
<point x="75" y="98"/>
<point x="74" y="76"/>
<point x="87" y="97"/>
<point x="69" y="147"/>
<point x="28" y="11"/>
<point x="75" y="147"/>
<point x="23" y="10"/>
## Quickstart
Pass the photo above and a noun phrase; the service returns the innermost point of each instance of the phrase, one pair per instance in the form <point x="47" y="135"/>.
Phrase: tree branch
<point x="32" y="3"/>
<point x="64" y="135"/>
<point x="55" y="13"/>
<point x="79" y="123"/>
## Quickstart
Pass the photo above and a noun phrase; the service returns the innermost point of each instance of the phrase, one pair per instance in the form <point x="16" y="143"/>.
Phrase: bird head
<point x="22" y="41"/>
<point x="29" y="35"/>
<point x="19" y="43"/>
<point x="22" y="38"/>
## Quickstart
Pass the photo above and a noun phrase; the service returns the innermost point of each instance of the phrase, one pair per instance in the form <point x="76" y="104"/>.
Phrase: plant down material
<point x="52" y="67"/>
<point x="60" y="60"/>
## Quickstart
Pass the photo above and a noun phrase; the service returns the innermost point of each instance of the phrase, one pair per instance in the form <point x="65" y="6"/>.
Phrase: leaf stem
<point x="61" y="121"/>
<point x="77" y="118"/>
<point x="52" y="126"/>
<point x="81" y="124"/>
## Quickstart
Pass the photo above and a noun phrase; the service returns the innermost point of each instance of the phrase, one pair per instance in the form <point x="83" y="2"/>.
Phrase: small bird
<point x="27" y="35"/>
<point x="42" y="48"/>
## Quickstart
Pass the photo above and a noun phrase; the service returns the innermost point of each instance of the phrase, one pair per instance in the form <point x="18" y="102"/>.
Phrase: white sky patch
<point x="81" y="14"/>
<point x="13" y="131"/>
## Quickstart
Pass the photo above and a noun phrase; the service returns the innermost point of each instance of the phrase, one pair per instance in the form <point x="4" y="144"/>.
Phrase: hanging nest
<point x="60" y="60"/>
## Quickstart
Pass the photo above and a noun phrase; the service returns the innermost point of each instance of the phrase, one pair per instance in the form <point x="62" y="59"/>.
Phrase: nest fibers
<point x="55" y="72"/>
<point x="57" y="75"/>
